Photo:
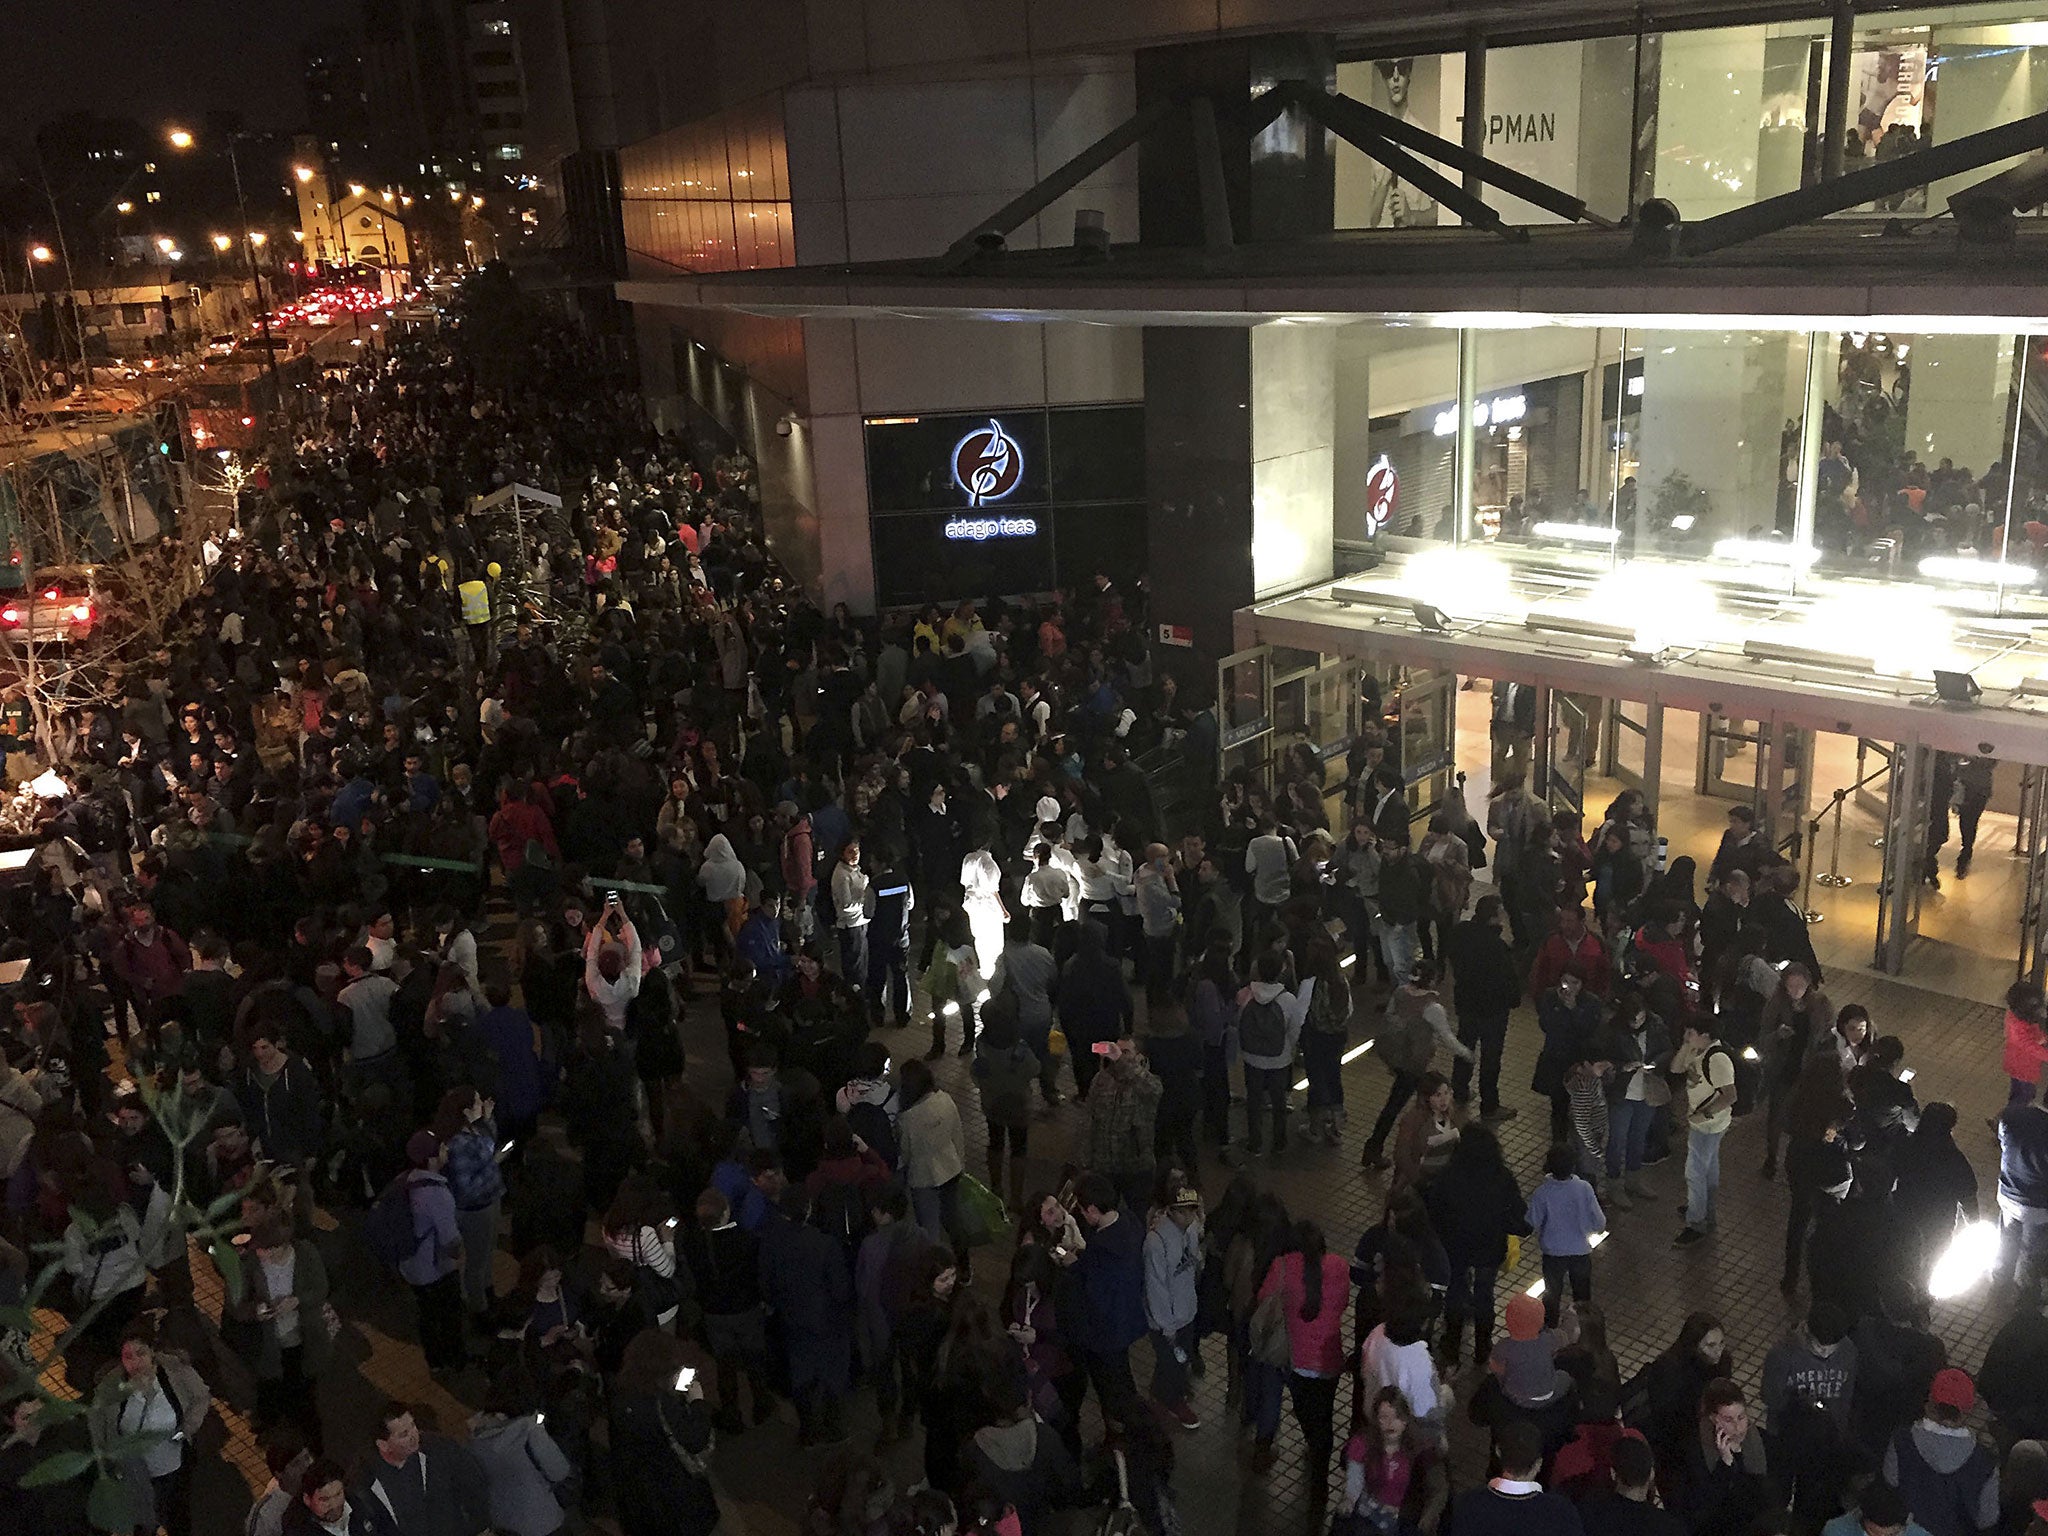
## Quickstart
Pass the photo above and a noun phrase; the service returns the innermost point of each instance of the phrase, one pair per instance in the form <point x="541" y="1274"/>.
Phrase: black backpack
<point x="1262" y="1028"/>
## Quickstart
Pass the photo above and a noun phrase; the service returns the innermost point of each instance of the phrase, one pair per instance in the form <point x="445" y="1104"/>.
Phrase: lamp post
<point x="180" y="139"/>
<point x="41" y="256"/>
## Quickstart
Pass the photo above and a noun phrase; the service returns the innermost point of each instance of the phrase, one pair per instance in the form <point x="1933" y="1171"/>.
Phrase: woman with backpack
<point x="1416" y="1025"/>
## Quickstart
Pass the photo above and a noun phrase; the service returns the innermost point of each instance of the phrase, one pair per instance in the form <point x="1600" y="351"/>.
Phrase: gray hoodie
<point x="1946" y="1451"/>
<point x="522" y="1464"/>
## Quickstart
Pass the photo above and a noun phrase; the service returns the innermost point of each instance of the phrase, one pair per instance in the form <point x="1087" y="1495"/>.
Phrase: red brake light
<point x="50" y="596"/>
<point x="10" y="616"/>
<point x="81" y="613"/>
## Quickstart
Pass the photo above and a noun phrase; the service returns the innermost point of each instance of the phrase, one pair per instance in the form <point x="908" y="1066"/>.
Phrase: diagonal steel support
<point x="1346" y="118"/>
<point x="1060" y="182"/>
<point x="1209" y="182"/>
<point x="1500" y="177"/>
<point x="1885" y="179"/>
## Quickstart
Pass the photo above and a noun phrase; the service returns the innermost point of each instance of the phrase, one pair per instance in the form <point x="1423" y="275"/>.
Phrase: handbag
<point x="1268" y="1331"/>
<point x="1055" y="1041"/>
<point x="1122" y="1519"/>
<point x="982" y="1215"/>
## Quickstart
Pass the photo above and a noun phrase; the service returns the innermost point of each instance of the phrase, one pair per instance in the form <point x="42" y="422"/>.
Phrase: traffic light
<point x="170" y="431"/>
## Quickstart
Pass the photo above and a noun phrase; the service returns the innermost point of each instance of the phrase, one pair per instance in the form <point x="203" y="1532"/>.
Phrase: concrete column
<point x="1198" y="484"/>
<point x="1293" y="448"/>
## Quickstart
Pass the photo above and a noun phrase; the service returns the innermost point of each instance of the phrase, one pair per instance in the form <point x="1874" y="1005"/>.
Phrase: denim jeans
<point x="1702" y="1177"/>
<point x="1628" y="1135"/>
<point x="1266" y="1088"/>
<point x="1264" y="1390"/>
<point x="1397" y="948"/>
<point x="937" y="1211"/>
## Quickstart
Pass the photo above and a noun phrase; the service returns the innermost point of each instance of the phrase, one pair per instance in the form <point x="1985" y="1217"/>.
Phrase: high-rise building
<point x="338" y="95"/>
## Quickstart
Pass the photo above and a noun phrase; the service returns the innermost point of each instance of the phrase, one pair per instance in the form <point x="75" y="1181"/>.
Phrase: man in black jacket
<point x="418" y="1485"/>
<point x="1489" y="985"/>
<point x="280" y="1099"/>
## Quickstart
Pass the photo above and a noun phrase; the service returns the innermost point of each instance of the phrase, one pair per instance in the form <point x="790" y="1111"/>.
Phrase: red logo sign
<point x="987" y="464"/>
<point x="1382" y="496"/>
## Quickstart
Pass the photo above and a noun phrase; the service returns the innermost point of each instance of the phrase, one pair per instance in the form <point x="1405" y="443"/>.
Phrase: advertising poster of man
<point x="1409" y="89"/>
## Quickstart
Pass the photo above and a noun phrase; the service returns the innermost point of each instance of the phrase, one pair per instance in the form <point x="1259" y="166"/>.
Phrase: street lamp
<point x="257" y="237"/>
<point x="303" y="172"/>
<point x="40" y="253"/>
<point x="180" y="139"/>
<point x="165" y="244"/>
<point x="355" y="189"/>
<point x="124" y="207"/>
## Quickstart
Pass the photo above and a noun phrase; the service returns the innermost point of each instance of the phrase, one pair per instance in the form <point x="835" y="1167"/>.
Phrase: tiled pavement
<point x="1644" y="1284"/>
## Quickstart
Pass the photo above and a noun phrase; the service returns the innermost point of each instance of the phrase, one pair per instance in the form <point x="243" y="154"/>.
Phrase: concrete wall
<point x="1294" y="423"/>
<point x="1960" y="402"/>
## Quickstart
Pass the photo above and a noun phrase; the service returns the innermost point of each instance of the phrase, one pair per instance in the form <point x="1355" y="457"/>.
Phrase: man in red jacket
<point x="1572" y="940"/>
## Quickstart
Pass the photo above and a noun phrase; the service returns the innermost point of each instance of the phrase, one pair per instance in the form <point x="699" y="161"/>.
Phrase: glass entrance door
<point x="1428" y="704"/>
<point x="1632" y="748"/>
<point x="1729" y="758"/>
<point x="2030" y="844"/>
<point x="1244" y="710"/>
<point x="1566" y="743"/>
<point x="1905" y="847"/>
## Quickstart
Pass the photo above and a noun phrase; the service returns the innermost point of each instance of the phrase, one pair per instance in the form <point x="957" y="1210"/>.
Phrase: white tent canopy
<point x="513" y="497"/>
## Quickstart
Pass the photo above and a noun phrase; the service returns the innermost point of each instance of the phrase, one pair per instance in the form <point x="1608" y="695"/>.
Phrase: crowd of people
<point x="366" y="899"/>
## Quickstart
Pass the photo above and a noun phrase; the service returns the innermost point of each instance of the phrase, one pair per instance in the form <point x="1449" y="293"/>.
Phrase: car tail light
<point x="11" y="617"/>
<point x="50" y="596"/>
<point x="81" y="613"/>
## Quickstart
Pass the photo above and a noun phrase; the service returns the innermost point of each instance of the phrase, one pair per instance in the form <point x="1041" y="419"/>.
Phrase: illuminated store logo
<point x="980" y="528"/>
<point x="1498" y="412"/>
<point x="987" y="464"/>
<point x="1382" y="492"/>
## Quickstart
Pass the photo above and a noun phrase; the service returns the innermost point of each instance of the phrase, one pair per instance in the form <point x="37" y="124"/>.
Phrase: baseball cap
<point x="1953" y="1389"/>
<point x="420" y="1150"/>
<point x="1186" y="1197"/>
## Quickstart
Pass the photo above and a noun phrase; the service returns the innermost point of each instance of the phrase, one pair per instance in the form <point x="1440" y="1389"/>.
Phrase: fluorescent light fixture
<point x="1372" y="597"/>
<point x="1577" y="533"/>
<point x="1576" y="624"/>
<point x="1535" y="1289"/>
<point x="1458" y="581"/>
<point x="1766" y="552"/>
<point x="1806" y="656"/>
<point x="1989" y="573"/>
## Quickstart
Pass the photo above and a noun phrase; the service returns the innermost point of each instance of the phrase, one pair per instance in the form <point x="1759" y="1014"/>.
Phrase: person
<point x="1564" y="1216"/>
<point x="2026" y="1039"/>
<point x="807" y="1287"/>
<point x="725" y="1273"/>
<point x="1110" y="1281"/>
<point x="1004" y="1069"/>
<point x="1213" y="992"/>
<point x="1269" y="1021"/>
<point x="1515" y="1503"/>
<point x="1936" y="1189"/>
<point x="1637" y="1090"/>
<point x="1630" y="1507"/>
<point x="661" y="1441"/>
<point x="1525" y="1362"/>
<point x="469" y="1135"/>
<point x="850" y="915"/>
<point x="1743" y="847"/>
<point x="42" y="1508"/>
<point x="1393" y="1479"/>
<point x="1879" y="1511"/>
<point x="1314" y="1286"/>
<point x="1475" y="1206"/>
<point x="1416" y="1025"/>
<point x="321" y="1505"/>
<point x="932" y="1154"/>
<point x="1173" y="1269"/>
<point x="523" y="1468"/>
<point x="416" y="1484"/>
<point x="1426" y="1135"/>
<point x="1123" y="1113"/>
<point x="1949" y="1478"/>
<point x="2023" y="1196"/>
<point x="1709" y="1072"/>
<point x="1796" y="1018"/>
<point x="1675" y="1379"/>
<point x="1724" y="1483"/>
<point x="1157" y="893"/>
<point x="278" y="1325"/>
<point x="154" y="1394"/>
<point x="1021" y="1461"/>
<point x="434" y="1267"/>
<point x="1488" y="988"/>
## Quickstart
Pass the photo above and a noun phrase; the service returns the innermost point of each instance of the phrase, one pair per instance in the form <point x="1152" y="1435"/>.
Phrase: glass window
<point x="1396" y="387"/>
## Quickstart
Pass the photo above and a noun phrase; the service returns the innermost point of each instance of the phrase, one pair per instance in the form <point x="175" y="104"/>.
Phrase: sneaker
<point x="1498" y="1114"/>
<point x="1687" y="1237"/>
<point x="1379" y="1162"/>
<point x="1184" y="1415"/>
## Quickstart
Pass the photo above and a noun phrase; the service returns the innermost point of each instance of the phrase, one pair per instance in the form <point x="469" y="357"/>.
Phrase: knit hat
<point x="1953" y="1389"/>
<point x="1525" y="1317"/>
<point x="420" y="1150"/>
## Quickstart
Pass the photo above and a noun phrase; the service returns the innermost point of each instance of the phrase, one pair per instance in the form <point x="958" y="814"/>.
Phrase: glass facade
<point x="710" y="196"/>
<point x="1923" y="458"/>
<point x="1711" y="119"/>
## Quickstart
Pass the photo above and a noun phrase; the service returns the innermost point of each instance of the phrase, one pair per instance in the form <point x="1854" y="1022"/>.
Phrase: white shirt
<point x="154" y="1414"/>
<point x="981" y="878"/>
<point x="278" y="1275"/>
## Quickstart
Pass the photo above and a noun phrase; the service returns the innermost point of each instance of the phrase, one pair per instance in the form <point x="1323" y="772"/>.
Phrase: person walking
<point x="1709" y="1072"/>
<point x="1213" y="991"/>
<point x="1004" y="1069"/>
<point x="1110" y="1275"/>
<point x="1488" y="987"/>
<point x="851" y="910"/>
<point x="1314" y="1286"/>
<point x="1173" y="1270"/>
<point x="1416" y="1025"/>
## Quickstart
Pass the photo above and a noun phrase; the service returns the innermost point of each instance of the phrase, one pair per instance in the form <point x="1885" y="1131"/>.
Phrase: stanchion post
<point x="1806" y="890"/>
<point x="1834" y="877"/>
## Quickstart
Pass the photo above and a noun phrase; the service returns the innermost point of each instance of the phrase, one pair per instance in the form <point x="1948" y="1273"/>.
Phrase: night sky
<point x="158" y="60"/>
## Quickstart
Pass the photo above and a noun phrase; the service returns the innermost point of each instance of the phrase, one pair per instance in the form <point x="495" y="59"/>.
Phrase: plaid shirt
<point x="472" y="1170"/>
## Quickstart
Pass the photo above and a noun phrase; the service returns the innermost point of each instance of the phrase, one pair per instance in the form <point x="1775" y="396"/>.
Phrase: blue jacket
<point x="472" y="1171"/>
<point x="1111" y="1272"/>
<point x="2023" y="1156"/>
<point x="1564" y="1214"/>
<point x="524" y="1081"/>
<point x="760" y="943"/>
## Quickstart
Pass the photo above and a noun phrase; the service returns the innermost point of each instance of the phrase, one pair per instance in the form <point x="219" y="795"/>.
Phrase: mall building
<point x="1688" y="368"/>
